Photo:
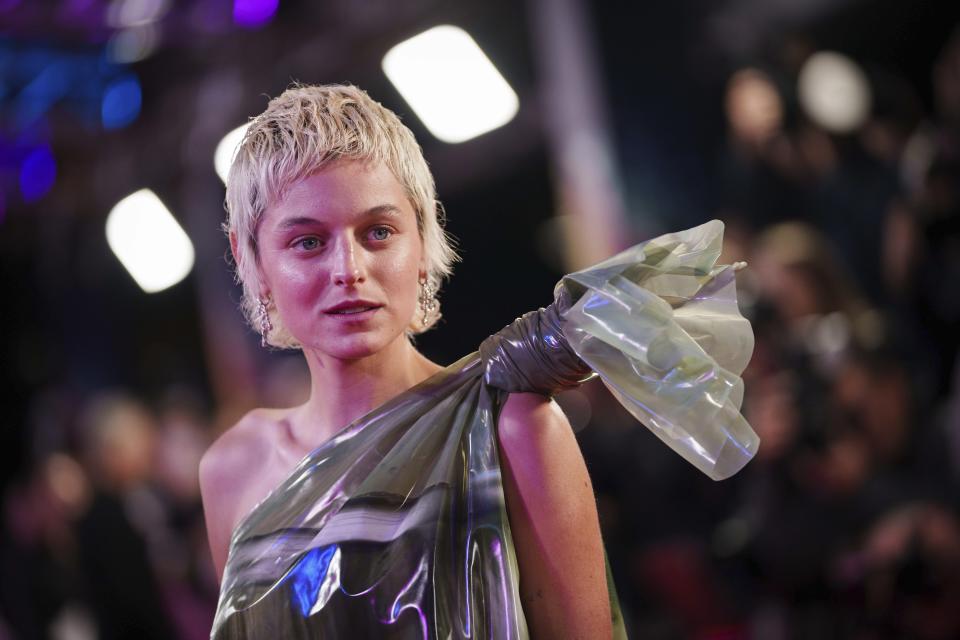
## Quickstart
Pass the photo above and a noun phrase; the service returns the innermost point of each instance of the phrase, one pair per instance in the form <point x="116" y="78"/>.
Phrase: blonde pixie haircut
<point x="304" y="130"/>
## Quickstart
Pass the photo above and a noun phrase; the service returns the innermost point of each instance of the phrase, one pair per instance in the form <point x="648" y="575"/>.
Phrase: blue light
<point x="121" y="102"/>
<point x="37" y="173"/>
<point x="51" y="83"/>
<point x="307" y="577"/>
<point x="253" y="13"/>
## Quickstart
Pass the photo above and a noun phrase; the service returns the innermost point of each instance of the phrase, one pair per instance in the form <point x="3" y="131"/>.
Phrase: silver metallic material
<point x="397" y="527"/>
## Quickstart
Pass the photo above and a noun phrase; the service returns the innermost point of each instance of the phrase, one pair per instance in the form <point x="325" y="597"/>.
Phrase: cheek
<point x="297" y="277"/>
<point x="402" y="272"/>
<point x="292" y="283"/>
<point x="400" y="277"/>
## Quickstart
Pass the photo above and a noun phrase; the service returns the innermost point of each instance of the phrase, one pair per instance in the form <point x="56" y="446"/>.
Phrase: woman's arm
<point x="227" y="471"/>
<point x="216" y="505"/>
<point x="553" y="518"/>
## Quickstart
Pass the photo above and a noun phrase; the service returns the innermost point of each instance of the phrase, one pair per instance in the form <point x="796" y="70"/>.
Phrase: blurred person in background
<point x="43" y="590"/>
<point x="807" y="494"/>
<point x="82" y="523"/>
<point x="902" y="580"/>
<point x="763" y="176"/>
<point x="181" y="555"/>
<point x="114" y="534"/>
<point x="932" y="270"/>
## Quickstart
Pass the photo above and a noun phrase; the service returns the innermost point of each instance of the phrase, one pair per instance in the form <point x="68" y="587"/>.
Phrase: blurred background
<point x="824" y="133"/>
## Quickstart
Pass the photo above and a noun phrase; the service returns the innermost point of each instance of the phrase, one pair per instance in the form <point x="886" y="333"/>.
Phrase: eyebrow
<point x="300" y="221"/>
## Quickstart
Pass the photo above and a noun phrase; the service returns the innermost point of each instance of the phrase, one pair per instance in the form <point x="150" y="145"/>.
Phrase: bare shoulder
<point x="226" y="479"/>
<point x="230" y="455"/>
<point x="531" y="415"/>
<point x="541" y="451"/>
<point x="534" y="432"/>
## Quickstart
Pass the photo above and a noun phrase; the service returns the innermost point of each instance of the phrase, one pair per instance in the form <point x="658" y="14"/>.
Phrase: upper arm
<point x="214" y="508"/>
<point x="553" y="519"/>
<point x="221" y="484"/>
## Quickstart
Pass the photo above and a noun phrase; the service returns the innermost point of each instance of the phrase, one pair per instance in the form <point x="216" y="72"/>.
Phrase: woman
<point x="402" y="499"/>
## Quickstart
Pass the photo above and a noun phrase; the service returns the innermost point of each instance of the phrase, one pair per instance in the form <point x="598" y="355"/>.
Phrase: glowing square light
<point x="226" y="151"/>
<point x="149" y="242"/>
<point x="450" y="84"/>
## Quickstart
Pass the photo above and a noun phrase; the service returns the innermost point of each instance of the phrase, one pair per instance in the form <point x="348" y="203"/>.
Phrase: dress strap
<point x="532" y="355"/>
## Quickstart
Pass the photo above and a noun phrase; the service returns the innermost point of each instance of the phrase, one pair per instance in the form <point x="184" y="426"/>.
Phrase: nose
<point x="347" y="268"/>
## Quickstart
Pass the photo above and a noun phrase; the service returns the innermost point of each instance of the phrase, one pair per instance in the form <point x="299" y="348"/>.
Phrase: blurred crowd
<point x="105" y="536"/>
<point x="847" y="523"/>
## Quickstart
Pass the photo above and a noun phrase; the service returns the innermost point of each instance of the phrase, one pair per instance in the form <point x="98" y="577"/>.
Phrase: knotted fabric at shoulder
<point x="532" y="354"/>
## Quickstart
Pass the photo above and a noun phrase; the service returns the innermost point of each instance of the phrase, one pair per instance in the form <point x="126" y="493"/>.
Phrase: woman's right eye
<point x="308" y="243"/>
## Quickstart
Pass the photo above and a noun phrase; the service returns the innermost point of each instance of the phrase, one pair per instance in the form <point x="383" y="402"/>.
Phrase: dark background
<point x="845" y="526"/>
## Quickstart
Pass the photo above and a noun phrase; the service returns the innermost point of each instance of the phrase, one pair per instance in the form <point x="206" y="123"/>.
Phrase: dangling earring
<point x="263" y="317"/>
<point x="427" y="298"/>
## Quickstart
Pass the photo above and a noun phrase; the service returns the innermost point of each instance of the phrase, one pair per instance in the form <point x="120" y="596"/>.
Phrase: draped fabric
<point x="397" y="527"/>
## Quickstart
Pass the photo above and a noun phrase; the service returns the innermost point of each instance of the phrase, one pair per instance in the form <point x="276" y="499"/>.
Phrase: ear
<point x="422" y="268"/>
<point x="235" y="250"/>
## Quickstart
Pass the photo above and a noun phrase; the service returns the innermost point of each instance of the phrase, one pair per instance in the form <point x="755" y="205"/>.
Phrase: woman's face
<point x="341" y="256"/>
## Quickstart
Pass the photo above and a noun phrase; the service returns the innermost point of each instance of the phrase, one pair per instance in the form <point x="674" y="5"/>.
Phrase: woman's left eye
<point x="380" y="233"/>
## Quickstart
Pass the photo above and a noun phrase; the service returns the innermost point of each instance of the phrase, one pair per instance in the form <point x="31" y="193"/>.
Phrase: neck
<point x="343" y="390"/>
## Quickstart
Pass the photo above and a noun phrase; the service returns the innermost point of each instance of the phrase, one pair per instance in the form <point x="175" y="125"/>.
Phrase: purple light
<point x="74" y="8"/>
<point x="211" y="16"/>
<point x="37" y="174"/>
<point x="254" y="13"/>
<point x="7" y="5"/>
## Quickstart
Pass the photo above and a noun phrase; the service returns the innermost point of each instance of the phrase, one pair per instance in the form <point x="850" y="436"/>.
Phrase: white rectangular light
<point x="450" y="84"/>
<point x="149" y="242"/>
<point x="227" y="150"/>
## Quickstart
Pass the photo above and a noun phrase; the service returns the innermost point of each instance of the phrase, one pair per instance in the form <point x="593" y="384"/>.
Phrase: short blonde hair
<point x="302" y="131"/>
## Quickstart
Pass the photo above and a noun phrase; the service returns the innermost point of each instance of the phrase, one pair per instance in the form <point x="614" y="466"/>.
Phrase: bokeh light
<point x="451" y="84"/>
<point x="121" y="102"/>
<point x="753" y="105"/>
<point x="53" y="80"/>
<point x="834" y="92"/>
<point x="149" y="242"/>
<point x="133" y="13"/>
<point x="254" y="13"/>
<point x="226" y="150"/>
<point x="37" y="174"/>
<point x="133" y="44"/>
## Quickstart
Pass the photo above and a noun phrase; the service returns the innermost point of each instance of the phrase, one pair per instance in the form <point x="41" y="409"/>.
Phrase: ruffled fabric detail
<point x="659" y="323"/>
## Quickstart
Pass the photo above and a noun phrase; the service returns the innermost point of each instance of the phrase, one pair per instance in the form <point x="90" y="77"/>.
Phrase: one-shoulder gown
<point x="397" y="527"/>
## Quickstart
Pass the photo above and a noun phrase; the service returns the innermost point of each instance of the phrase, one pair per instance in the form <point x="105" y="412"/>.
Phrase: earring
<point x="427" y="298"/>
<point x="263" y="317"/>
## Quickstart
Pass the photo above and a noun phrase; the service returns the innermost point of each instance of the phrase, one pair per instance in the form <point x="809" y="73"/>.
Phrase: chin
<point x="353" y="346"/>
<point x="354" y="350"/>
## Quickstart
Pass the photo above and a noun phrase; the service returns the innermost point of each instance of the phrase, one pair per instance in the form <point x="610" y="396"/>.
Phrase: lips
<point x="351" y="307"/>
<point x="350" y="312"/>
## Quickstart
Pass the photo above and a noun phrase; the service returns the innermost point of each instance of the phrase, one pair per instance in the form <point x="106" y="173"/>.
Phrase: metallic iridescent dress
<point x="397" y="528"/>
